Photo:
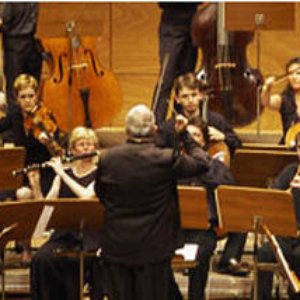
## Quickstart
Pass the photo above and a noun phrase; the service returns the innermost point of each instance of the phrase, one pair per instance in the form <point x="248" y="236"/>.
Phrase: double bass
<point x="79" y="90"/>
<point x="225" y="67"/>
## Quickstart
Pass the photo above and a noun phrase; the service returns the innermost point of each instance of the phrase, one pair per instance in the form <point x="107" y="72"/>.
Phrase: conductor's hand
<point x="180" y="123"/>
<point x="56" y="164"/>
<point x="215" y="134"/>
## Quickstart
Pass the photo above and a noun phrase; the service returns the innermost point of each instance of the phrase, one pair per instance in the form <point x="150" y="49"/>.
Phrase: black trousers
<point x="21" y="55"/>
<point x="57" y="277"/>
<point x="234" y="247"/>
<point x="291" y="251"/>
<point x="174" y="39"/>
<point x="145" y="282"/>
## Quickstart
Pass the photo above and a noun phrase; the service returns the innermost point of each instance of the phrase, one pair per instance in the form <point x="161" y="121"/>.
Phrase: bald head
<point x="140" y="121"/>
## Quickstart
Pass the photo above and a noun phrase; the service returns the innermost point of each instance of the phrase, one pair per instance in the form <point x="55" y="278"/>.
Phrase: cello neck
<point x="222" y="36"/>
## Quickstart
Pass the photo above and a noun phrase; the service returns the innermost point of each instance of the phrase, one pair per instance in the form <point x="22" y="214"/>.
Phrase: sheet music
<point x="188" y="251"/>
<point x="43" y="221"/>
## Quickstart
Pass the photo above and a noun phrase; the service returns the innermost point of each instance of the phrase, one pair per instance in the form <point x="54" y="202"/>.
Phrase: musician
<point x="54" y="277"/>
<point x="217" y="174"/>
<point x="136" y="182"/>
<point x="18" y="22"/>
<point x="189" y="94"/>
<point x="27" y="103"/>
<point x="289" y="178"/>
<point x="175" y="42"/>
<point x="36" y="142"/>
<point x="287" y="103"/>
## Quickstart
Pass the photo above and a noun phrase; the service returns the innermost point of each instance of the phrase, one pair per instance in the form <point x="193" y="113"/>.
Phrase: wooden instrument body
<point x="73" y="71"/>
<point x="225" y="68"/>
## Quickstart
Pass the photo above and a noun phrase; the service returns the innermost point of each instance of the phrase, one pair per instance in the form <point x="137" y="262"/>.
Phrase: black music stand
<point x="258" y="168"/>
<point x="243" y="209"/>
<point x="10" y="160"/>
<point x="257" y="17"/>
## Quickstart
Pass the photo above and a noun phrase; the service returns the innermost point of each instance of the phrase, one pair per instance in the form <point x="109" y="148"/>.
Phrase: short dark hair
<point x="294" y="60"/>
<point x="190" y="81"/>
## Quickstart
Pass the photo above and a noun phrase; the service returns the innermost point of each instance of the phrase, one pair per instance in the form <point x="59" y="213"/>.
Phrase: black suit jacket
<point x="137" y="184"/>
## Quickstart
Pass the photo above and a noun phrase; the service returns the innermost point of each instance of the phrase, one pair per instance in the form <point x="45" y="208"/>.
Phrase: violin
<point x="41" y="121"/>
<point x="282" y="77"/>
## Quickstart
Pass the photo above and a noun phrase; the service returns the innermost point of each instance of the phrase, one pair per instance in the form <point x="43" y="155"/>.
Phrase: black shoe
<point x="234" y="268"/>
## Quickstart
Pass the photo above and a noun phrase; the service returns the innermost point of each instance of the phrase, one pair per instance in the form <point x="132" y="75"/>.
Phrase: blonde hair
<point x="25" y="81"/>
<point x="81" y="132"/>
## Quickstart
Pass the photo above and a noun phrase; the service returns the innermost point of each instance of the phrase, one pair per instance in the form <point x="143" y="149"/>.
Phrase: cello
<point x="224" y="65"/>
<point x="79" y="90"/>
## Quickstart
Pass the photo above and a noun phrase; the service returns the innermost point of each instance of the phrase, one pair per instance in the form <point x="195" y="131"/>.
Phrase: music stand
<point x="193" y="207"/>
<point x="257" y="17"/>
<point x="258" y="168"/>
<point x="243" y="209"/>
<point x="72" y="213"/>
<point x="18" y="221"/>
<point x="10" y="160"/>
<point x="193" y="210"/>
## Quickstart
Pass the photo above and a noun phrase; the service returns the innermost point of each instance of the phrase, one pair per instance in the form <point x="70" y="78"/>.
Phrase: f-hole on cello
<point x="80" y="91"/>
<point x="224" y="65"/>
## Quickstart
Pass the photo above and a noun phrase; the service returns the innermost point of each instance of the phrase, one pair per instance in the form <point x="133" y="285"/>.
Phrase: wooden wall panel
<point x="135" y="38"/>
<point x="129" y="44"/>
<point x="137" y="89"/>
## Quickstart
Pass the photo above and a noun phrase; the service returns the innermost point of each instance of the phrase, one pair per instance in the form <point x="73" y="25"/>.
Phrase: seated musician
<point x="217" y="174"/>
<point x="54" y="277"/>
<point x="189" y="93"/>
<point x="286" y="103"/>
<point x="17" y="128"/>
<point x="288" y="179"/>
<point x="21" y="119"/>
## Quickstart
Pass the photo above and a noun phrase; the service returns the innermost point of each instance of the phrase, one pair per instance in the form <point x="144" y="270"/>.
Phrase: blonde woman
<point x="55" y="277"/>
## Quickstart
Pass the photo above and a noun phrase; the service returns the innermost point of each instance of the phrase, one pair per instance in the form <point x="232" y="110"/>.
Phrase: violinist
<point x="28" y="128"/>
<point x="288" y="179"/>
<point x="288" y="102"/>
<point x="54" y="277"/>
